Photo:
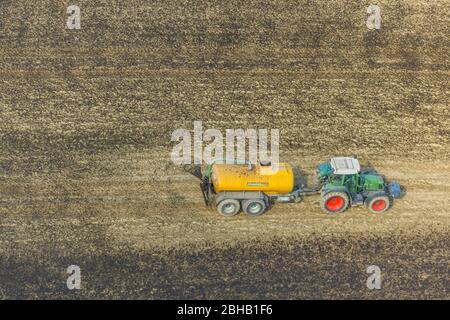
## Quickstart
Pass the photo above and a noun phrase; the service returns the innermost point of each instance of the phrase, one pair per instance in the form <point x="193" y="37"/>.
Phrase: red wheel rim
<point x="378" y="205"/>
<point x="334" y="203"/>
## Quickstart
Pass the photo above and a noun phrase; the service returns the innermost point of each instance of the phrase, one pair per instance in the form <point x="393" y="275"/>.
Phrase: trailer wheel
<point x="228" y="207"/>
<point x="334" y="202"/>
<point x="378" y="203"/>
<point x="253" y="207"/>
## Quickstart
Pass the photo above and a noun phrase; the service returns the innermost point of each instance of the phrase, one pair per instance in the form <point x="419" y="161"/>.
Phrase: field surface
<point x="87" y="116"/>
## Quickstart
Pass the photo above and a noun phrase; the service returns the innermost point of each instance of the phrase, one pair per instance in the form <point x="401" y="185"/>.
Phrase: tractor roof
<point x="345" y="165"/>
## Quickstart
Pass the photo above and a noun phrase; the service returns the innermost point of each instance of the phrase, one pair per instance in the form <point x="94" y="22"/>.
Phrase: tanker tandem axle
<point x="253" y="188"/>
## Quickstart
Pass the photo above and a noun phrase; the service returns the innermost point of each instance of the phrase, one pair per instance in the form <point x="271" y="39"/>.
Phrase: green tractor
<point x="344" y="184"/>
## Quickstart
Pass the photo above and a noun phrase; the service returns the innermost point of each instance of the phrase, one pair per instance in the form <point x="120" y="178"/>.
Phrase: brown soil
<point x="87" y="115"/>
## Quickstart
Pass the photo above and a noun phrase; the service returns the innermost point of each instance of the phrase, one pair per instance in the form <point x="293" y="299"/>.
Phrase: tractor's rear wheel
<point x="378" y="203"/>
<point x="229" y="207"/>
<point x="334" y="202"/>
<point x="253" y="207"/>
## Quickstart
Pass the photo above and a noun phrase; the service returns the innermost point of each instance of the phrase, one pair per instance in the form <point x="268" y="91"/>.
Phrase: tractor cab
<point x="345" y="173"/>
<point x="340" y="170"/>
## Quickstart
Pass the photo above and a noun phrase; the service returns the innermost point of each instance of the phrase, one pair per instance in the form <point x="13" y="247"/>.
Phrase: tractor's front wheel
<point x="378" y="204"/>
<point x="334" y="202"/>
<point x="229" y="207"/>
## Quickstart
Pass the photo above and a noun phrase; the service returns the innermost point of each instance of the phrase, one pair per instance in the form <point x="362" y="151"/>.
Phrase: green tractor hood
<point x="372" y="181"/>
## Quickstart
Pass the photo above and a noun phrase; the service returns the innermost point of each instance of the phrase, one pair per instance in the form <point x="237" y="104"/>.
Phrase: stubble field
<point x="87" y="116"/>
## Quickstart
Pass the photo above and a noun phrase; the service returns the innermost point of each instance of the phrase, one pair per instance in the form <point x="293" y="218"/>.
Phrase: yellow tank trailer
<point x="226" y="177"/>
<point x="250" y="187"/>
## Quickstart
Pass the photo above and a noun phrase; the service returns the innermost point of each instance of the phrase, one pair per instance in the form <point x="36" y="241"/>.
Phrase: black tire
<point x="334" y="202"/>
<point x="253" y="207"/>
<point x="229" y="207"/>
<point x="378" y="203"/>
